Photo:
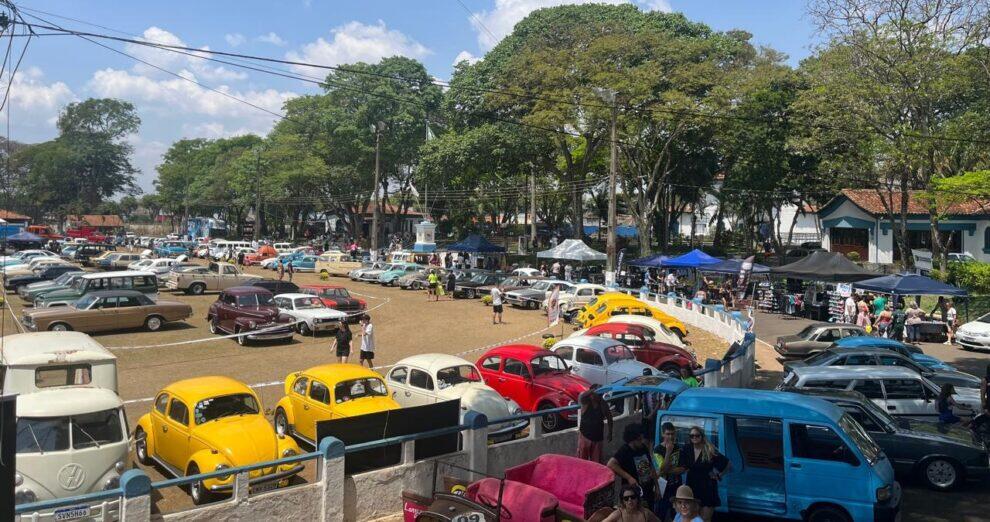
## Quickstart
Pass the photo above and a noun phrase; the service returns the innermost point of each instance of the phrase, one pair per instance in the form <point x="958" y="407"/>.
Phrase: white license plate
<point x="264" y="486"/>
<point x="72" y="513"/>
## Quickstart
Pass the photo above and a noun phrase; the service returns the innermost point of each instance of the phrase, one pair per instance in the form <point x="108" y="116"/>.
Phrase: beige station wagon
<point x="335" y="264"/>
<point x="216" y="277"/>
<point x="107" y="310"/>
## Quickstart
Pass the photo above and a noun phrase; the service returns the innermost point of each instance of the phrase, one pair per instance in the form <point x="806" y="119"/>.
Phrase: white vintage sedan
<point x="601" y="361"/>
<point x="435" y="377"/>
<point x="310" y="313"/>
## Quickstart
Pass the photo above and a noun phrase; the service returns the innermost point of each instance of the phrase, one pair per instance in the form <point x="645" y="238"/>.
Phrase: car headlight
<point x="252" y="324"/>
<point x="120" y="466"/>
<point x="288" y="452"/>
<point x="111" y="483"/>
<point x="24" y="496"/>
<point x="883" y="494"/>
<point x="221" y="467"/>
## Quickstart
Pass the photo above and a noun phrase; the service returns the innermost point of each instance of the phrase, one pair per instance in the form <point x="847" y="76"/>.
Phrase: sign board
<point x="922" y="260"/>
<point x="553" y="307"/>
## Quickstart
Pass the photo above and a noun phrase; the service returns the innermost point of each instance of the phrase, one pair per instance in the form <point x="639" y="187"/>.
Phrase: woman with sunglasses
<point x="705" y="467"/>
<point x="630" y="508"/>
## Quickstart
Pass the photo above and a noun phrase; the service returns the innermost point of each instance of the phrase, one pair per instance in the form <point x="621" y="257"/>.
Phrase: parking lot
<point x="406" y="323"/>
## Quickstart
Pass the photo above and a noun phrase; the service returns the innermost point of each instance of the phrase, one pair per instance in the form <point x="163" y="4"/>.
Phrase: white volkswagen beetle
<point x="435" y="377"/>
<point x="601" y="361"/>
<point x="310" y="312"/>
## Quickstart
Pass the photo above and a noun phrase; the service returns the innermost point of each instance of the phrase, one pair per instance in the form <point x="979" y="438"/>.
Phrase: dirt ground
<point x="406" y="323"/>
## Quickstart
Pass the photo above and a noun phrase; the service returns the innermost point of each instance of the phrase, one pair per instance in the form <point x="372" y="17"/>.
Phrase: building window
<point x="986" y="240"/>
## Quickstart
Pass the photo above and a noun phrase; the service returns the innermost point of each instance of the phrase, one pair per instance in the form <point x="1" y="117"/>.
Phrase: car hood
<point x="958" y="376"/>
<point x="241" y="439"/>
<point x="975" y="327"/>
<point x="566" y="382"/>
<point x="375" y="272"/>
<point x="364" y="405"/>
<point x="259" y="312"/>
<point x="930" y="362"/>
<point x="528" y="293"/>
<point x="471" y="284"/>
<point x="58" y="311"/>
<point x="630" y="368"/>
<point x="941" y="433"/>
<point x="479" y="397"/>
<point x="319" y="313"/>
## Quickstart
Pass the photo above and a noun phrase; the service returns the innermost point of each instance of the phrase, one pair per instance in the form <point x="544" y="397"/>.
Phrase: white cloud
<point x="234" y="39"/>
<point x="494" y="25"/>
<point x="354" y="42"/>
<point x="465" y="56"/>
<point x="34" y="104"/>
<point x="172" y="61"/>
<point x="272" y="38"/>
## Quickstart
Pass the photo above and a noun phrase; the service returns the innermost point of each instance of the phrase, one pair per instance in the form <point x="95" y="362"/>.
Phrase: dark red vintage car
<point x="537" y="379"/>
<point x="243" y="309"/>
<point x="639" y="339"/>
<point x="336" y="297"/>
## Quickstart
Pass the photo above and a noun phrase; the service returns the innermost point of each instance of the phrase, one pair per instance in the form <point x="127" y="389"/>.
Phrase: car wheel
<point x="214" y="329"/>
<point x="550" y="421"/>
<point x="241" y="339"/>
<point x="471" y="294"/>
<point x="59" y="327"/>
<point x="281" y="421"/>
<point x="671" y="368"/>
<point x="532" y="305"/>
<point x="304" y="329"/>
<point x="154" y="323"/>
<point x="141" y="447"/>
<point x="197" y="289"/>
<point x="416" y="285"/>
<point x="197" y="490"/>
<point x="828" y="514"/>
<point x="940" y="474"/>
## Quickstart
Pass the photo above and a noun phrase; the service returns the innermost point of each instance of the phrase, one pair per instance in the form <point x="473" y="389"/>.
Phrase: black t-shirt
<point x="593" y="424"/>
<point x="344" y="337"/>
<point x="636" y="462"/>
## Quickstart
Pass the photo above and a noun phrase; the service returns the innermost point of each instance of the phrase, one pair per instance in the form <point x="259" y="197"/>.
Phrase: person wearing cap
<point x="686" y="506"/>
<point x="631" y="508"/>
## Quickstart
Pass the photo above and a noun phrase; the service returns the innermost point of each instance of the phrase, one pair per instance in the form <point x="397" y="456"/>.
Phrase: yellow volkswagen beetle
<point x="209" y="424"/>
<point x="611" y="304"/>
<point x="330" y="391"/>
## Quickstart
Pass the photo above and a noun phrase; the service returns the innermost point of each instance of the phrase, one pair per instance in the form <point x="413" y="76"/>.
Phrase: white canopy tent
<point x="572" y="250"/>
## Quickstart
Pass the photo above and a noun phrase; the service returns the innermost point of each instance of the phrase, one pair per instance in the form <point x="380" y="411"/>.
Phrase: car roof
<point x="856" y="372"/>
<point x="45" y="347"/>
<point x="321" y="287"/>
<point x="335" y="372"/>
<point x="248" y="290"/>
<point x="591" y="342"/>
<point x="432" y="362"/>
<point x="848" y="395"/>
<point x="615" y="327"/>
<point x="863" y="350"/>
<point x="519" y="351"/>
<point x="199" y="388"/>
<point x="296" y="296"/>
<point x="66" y="400"/>
<point x="124" y="273"/>
<point x="866" y="340"/>
<point x="114" y="293"/>
<point x="766" y="403"/>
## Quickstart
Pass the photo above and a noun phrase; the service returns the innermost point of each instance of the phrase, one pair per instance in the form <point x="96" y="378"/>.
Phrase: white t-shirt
<point x="368" y="339"/>
<point x="850" y="306"/>
<point x="496" y="297"/>
<point x="671" y="279"/>
<point x="950" y="315"/>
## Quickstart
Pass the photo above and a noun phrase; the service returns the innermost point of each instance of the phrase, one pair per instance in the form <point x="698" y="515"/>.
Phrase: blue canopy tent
<point x="25" y="237"/>
<point x="732" y="266"/>
<point x="475" y="244"/>
<point x="626" y="231"/>
<point x="653" y="261"/>
<point x="909" y="284"/>
<point x="693" y="259"/>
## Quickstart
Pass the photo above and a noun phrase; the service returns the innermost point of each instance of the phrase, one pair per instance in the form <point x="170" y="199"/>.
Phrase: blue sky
<point x="61" y="69"/>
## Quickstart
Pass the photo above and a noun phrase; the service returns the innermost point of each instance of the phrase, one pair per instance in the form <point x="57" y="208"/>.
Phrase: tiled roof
<point x="870" y="201"/>
<point x="97" y="220"/>
<point x="11" y="215"/>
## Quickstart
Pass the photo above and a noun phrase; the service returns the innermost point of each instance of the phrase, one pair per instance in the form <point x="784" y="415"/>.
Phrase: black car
<point x="876" y="356"/>
<point x="47" y="274"/>
<point x="941" y="456"/>
<point x="275" y="286"/>
<point x="87" y="251"/>
<point x="471" y="287"/>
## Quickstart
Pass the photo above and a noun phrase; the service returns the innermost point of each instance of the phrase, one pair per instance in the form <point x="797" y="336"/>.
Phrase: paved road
<point x="970" y="503"/>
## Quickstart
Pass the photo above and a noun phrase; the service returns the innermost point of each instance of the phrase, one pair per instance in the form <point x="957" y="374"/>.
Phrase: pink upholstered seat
<point x="579" y="485"/>
<point x="521" y="502"/>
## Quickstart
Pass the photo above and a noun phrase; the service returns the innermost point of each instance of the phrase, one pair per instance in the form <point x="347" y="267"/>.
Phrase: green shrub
<point x="973" y="277"/>
<point x="486" y="300"/>
<point x="853" y="256"/>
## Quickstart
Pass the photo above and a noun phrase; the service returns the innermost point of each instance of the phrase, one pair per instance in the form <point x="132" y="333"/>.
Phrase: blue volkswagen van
<point x="793" y="456"/>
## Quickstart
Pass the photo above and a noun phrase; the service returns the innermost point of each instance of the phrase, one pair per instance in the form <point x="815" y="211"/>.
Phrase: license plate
<point x="264" y="486"/>
<point x="72" y="513"/>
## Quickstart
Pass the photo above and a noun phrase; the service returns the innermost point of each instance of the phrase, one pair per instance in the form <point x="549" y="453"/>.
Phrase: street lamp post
<point x="609" y="96"/>
<point x="377" y="128"/>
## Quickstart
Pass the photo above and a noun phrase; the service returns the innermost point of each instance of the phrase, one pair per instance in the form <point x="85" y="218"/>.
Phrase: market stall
<point x="693" y="259"/>
<point x="479" y="252"/>
<point x="819" y="292"/>
<point x="914" y="285"/>
<point x="575" y="250"/>
<point x="22" y="240"/>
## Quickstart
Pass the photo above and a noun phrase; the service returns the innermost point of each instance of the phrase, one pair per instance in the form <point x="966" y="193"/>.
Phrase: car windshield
<point x="308" y="303"/>
<point x="984" y="319"/>
<point x="618" y="352"/>
<point x="358" y="388"/>
<point x="38" y="435"/>
<point x="480" y="278"/>
<point x="547" y="364"/>
<point x="78" y="284"/>
<point x="542" y="285"/>
<point x="255" y="300"/>
<point x="85" y="302"/>
<point x="225" y="406"/>
<point x="63" y="279"/>
<point x="819" y="358"/>
<point x="880" y="414"/>
<point x="96" y="429"/>
<point x="808" y="330"/>
<point x="455" y="375"/>
<point x="859" y="437"/>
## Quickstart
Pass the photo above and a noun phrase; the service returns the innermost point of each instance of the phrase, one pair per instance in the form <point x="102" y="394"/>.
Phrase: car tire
<point x="471" y="294"/>
<point x="141" y="447"/>
<point x="214" y="328"/>
<point x="940" y="474"/>
<point x="59" y="327"/>
<point x="532" y="305"/>
<point x="550" y="421"/>
<point x="281" y="422"/>
<point x="304" y="329"/>
<point x="154" y="323"/>
<point x="197" y="490"/>
<point x="671" y="368"/>
<point x="828" y="514"/>
<point x="241" y="339"/>
<point x="197" y="289"/>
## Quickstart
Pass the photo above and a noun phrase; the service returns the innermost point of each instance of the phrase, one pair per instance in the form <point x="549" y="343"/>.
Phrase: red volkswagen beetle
<point x="537" y="379"/>
<point x="639" y="339"/>
<point x="336" y="297"/>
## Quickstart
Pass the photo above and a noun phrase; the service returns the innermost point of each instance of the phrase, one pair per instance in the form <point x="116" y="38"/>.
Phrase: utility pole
<point x="610" y="97"/>
<point x="532" y="207"/>
<point x="374" y="216"/>
<point x="257" y="194"/>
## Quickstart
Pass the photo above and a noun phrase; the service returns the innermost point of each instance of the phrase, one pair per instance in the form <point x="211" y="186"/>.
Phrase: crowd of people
<point x="898" y="320"/>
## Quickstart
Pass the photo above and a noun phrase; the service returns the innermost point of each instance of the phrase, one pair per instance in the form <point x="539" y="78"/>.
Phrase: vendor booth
<point x="576" y="250"/>
<point x="693" y="259"/>
<point x="732" y="266"/>
<point x="914" y="285"/>
<point x="820" y="284"/>
<point x="22" y="240"/>
<point x="480" y="252"/>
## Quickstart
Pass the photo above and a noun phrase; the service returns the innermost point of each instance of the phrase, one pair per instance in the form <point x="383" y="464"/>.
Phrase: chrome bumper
<point x="262" y="479"/>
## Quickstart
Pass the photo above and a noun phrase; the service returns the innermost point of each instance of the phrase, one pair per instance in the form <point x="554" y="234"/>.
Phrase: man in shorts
<point x="496" y="306"/>
<point x="367" y="341"/>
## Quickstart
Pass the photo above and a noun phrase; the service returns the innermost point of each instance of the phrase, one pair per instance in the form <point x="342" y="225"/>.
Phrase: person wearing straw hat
<point x="686" y="505"/>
